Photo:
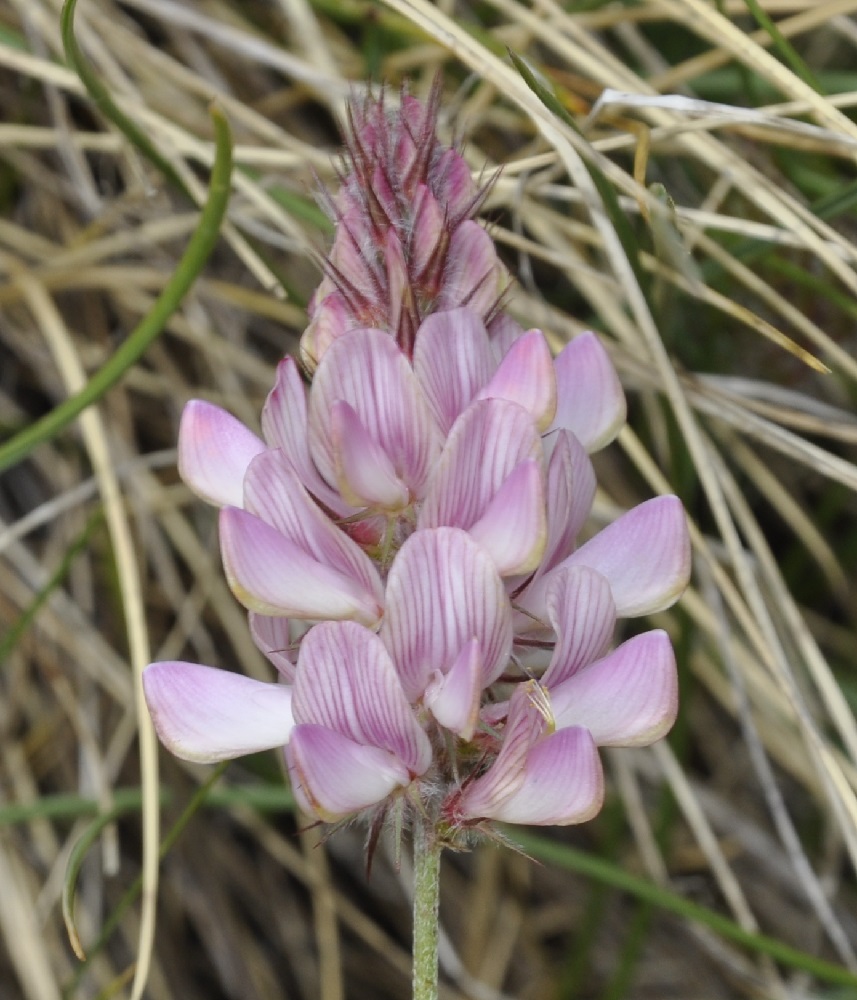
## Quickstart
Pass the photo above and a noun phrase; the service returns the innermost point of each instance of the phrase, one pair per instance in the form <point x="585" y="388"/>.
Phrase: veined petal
<point x="454" y="697"/>
<point x="513" y="528"/>
<point x="285" y="425"/>
<point x="442" y="591"/>
<point x="645" y="555"/>
<point x="274" y="576"/>
<point x="562" y="784"/>
<point x="204" y="714"/>
<point x="215" y="449"/>
<point x="526" y="377"/>
<point x="366" y="369"/>
<point x="628" y="699"/>
<point x="273" y="492"/>
<point x="581" y="609"/>
<point x="473" y="271"/>
<point x="273" y="638"/>
<point x="333" y="776"/>
<point x="570" y="492"/>
<point x="590" y="401"/>
<point x="452" y="361"/>
<point x="487" y="442"/>
<point x="346" y="682"/>
<point x="365" y="474"/>
<point x="503" y="331"/>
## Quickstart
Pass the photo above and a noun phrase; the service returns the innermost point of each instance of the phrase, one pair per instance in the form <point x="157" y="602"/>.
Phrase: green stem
<point x="427" y="850"/>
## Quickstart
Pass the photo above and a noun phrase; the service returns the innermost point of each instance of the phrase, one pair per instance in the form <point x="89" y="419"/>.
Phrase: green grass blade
<point x="198" y="250"/>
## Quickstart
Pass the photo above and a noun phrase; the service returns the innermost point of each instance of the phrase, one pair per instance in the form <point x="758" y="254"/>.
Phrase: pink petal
<point x="590" y="401"/>
<point x="331" y="317"/>
<point x="503" y="331"/>
<point x="454" y="697"/>
<point x="204" y="714"/>
<point x="274" y="576"/>
<point x="581" y="609"/>
<point x="570" y="492"/>
<point x="473" y="274"/>
<point x="273" y="492"/>
<point x="628" y="699"/>
<point x="332" y="776"/>
<point x="273" y="637"/>
<point x="285" y="426"/>
<point x="513" y="528"/>
<point x="346" y="682"/>
<point x="365" y="474"/>
<point x="442" y="591"/>
<point x="428" y="223"/>
<point x="487" y="442"/>
<point x="526" y="377"/>
<point x="452" y="180"/>
<point x="367" y="370"/>
<point x="452" y="361"/>
<point x="563" y="783"/>
<point x="214" y="451"/>
<point x="398" y="283"/>
<point x="645" y="555"/>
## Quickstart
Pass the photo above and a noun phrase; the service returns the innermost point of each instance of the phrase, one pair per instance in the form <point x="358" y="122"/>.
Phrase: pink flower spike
<point x="214" y="451"/>
<point x="562" y="783"/>
<point x="203" y="714"/>
<point x="590" y="400"/>
<point x="570" y="492"/>
<point x="628" y="699"/>
<point x="513" y="528"/>
<point x="581" y="609"/>
<point x="452" y="361"/>
<point x="474" y="276"/>
<point x="332" y="776"/>
<point x="273" y="638"/>
<point x="454" y="697"/>
<point x="347" y="683"/>
<point x="645" y="555"/>
<point x="274" y="576"/>
<point x="526" y="377"/>
<point x="443" y="590"/>
<point x="365" y="474"/>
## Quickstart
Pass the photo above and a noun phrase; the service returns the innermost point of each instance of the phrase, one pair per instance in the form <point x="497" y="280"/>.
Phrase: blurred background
<point x="688" y="191"/>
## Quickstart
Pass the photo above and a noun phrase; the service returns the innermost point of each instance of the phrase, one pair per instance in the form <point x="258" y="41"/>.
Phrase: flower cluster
<point x="404" y="534"/>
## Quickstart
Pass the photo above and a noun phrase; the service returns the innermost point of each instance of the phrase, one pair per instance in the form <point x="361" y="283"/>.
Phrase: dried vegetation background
<point x="730" y="313"/>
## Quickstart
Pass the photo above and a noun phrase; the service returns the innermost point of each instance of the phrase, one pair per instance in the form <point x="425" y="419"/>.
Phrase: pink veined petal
<point x="204" y="714"/>
<point x="590" y="400"/>
<point x="454" y="697"/>
<point x="334" y="776"/>
<point x="452" y="183"/>
<point x="503" y="331"/>
<point x="628" y="699"/>
<point x="274" y="576"/>
<point x="285" y="425"/>
<point x="214" y="451"/>
<point x="526" y="724"/>
<point x="273" y="492"/>
<point x="472" y="274"/>
<point x="442" y="591"/>
<point x="645" y="555"/>
<point x="526" y="377"/>
<point x="346" y="682"/>
<point x="570" y="492"/>
<point x="366" y="369"/>
<point x="563" y="783"/>
<point x="513" y="528"/>
<point x="452" y="361"/>
<point x="487" y="442"/>
<point x="581" y="609"/>
<point x="365" y="474"/>
<point x="273" y="638"/>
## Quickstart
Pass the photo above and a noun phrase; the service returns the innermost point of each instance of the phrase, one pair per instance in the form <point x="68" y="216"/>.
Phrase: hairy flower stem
<point x="426" y="894"/>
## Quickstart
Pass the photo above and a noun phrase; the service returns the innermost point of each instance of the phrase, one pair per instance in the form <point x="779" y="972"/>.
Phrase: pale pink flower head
<point x="407" y="243"/>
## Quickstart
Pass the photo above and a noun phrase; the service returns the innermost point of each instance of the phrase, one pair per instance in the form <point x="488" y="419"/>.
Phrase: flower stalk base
<point x="427" y="848"/>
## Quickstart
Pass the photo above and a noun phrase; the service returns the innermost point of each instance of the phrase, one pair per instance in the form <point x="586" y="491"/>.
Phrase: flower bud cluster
<point x="404" y="532"/>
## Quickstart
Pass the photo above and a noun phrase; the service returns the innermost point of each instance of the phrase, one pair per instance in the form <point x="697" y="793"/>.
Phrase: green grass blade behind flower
<point x="193" y="260"/>
<point x="783" y="46"/>
<point x="574" y="860"/>
<point x="107" y="106"/>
